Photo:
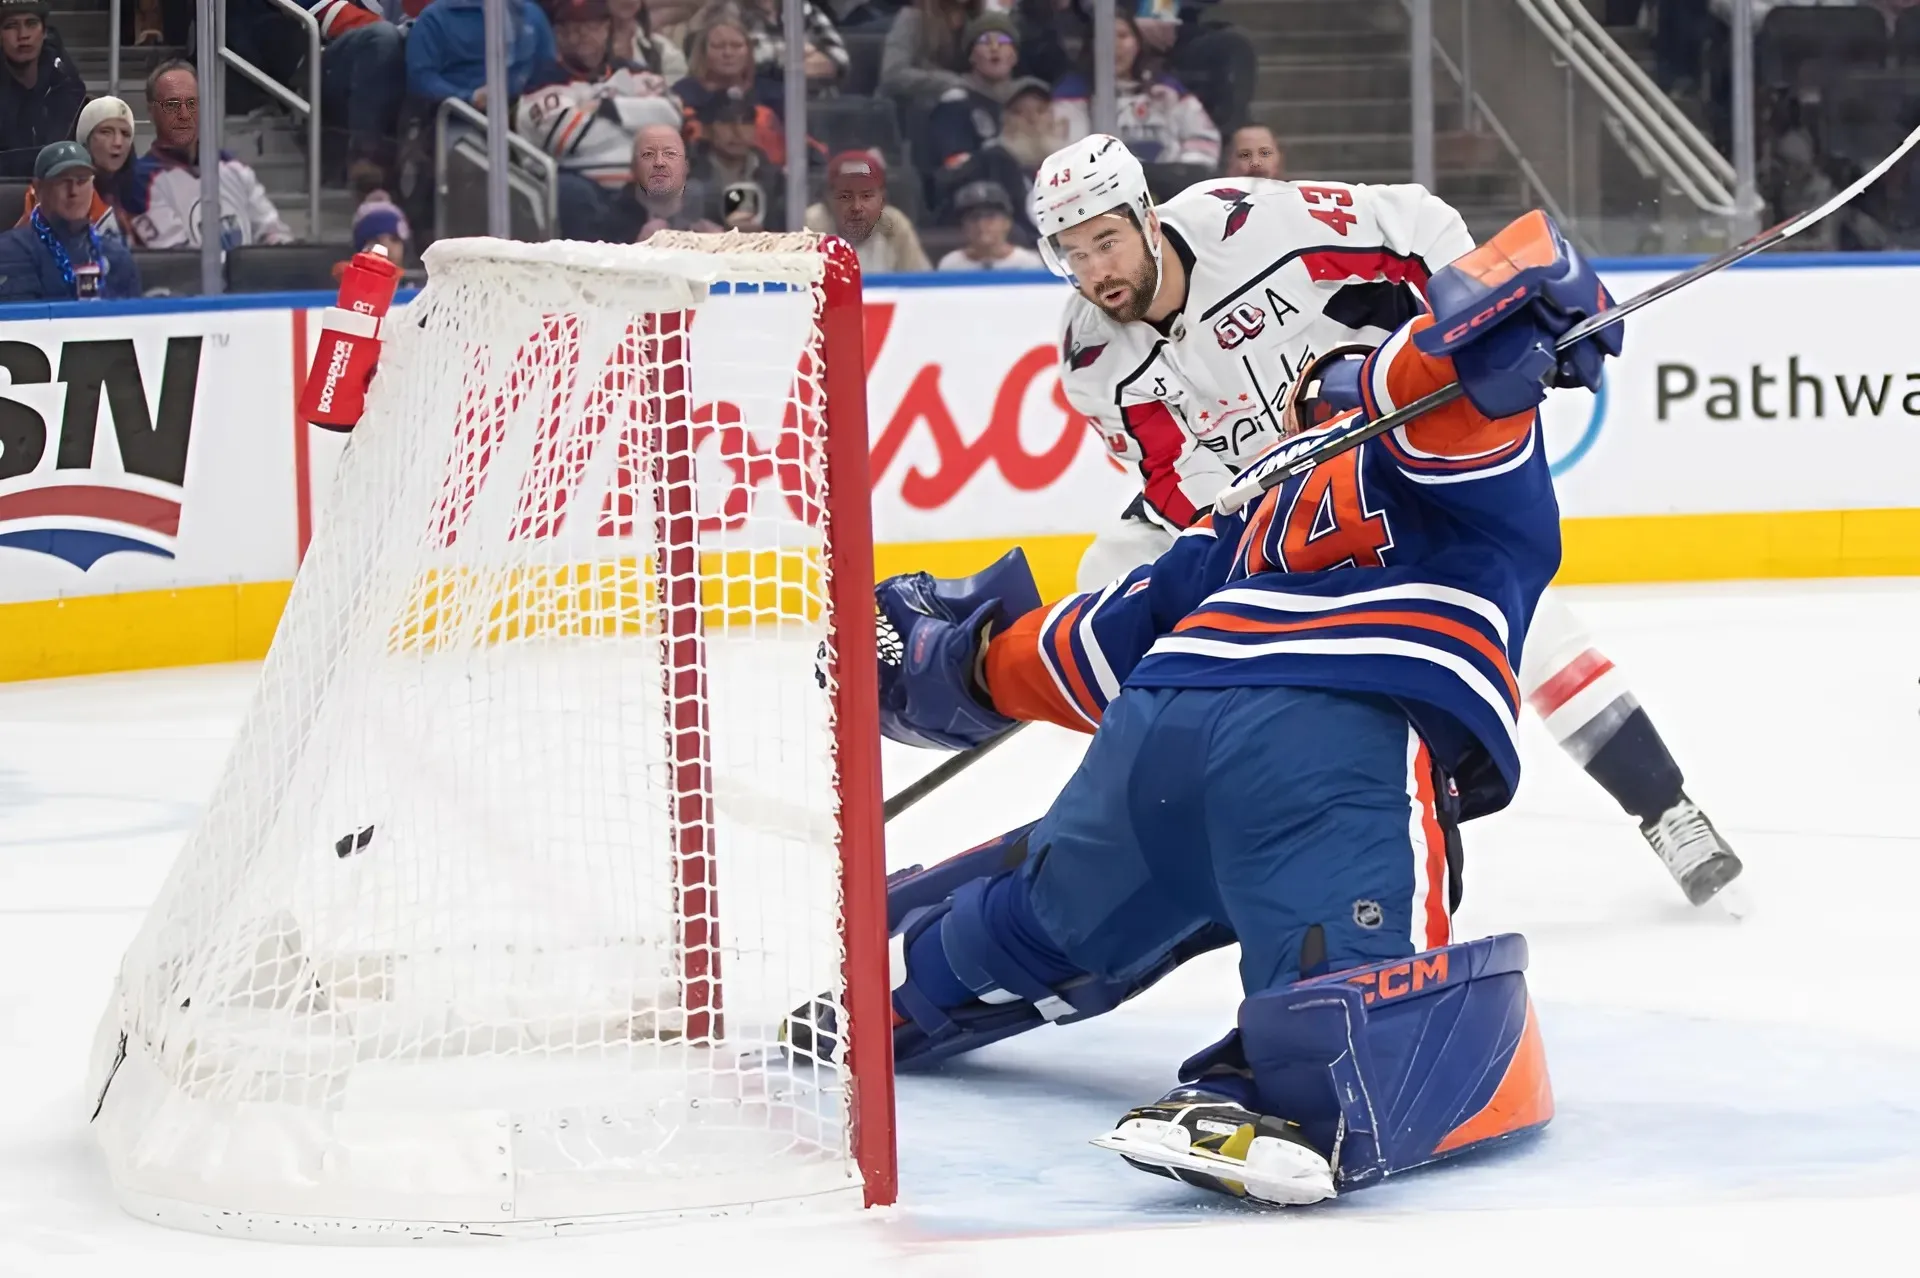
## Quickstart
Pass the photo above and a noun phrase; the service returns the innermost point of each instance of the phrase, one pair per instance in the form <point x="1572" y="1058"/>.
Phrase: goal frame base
<point x="199" y="1218"/>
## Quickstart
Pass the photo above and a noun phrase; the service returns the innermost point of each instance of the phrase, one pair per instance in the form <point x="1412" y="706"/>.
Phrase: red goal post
<point x="561" y="786"/>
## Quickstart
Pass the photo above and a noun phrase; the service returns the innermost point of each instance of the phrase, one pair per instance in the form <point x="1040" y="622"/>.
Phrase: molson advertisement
<point x="156" y="493"/>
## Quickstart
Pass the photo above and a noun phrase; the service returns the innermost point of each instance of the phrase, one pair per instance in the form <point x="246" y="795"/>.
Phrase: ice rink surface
<point x="1733" y="1097"/>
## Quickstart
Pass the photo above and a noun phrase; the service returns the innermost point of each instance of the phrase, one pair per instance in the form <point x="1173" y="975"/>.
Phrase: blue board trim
<point x="27" y="311"/>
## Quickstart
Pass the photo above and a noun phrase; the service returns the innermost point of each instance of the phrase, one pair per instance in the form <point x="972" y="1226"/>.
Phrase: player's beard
<point x="1139" y="299"/>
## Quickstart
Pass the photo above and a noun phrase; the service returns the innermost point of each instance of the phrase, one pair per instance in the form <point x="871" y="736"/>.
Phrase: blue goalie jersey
<point x="1407" y="568"/>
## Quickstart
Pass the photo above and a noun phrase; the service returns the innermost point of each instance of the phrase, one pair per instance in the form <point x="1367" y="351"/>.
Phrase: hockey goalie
<point x="1292" y="707"/>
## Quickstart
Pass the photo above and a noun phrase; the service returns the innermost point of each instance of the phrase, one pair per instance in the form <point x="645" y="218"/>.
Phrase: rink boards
<point x="156" y="493"/>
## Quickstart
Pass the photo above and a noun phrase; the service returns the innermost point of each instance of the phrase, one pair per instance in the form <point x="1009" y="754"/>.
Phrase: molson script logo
<point x="998" y="445"/>
<point x="73" y="509"/>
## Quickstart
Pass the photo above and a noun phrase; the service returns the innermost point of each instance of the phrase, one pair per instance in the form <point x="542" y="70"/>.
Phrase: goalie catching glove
<point x="932" y="633"/>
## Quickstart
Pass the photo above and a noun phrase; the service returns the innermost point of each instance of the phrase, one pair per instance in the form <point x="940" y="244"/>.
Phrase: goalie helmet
<point x="1326" y="388"/>
<point x="1093" y="176"/>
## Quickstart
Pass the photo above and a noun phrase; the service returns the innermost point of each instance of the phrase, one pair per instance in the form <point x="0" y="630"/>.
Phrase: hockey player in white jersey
<point x="1184" y="366"/>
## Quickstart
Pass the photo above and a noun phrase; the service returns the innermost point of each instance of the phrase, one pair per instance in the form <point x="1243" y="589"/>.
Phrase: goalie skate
<point x="1215" y="1144"/>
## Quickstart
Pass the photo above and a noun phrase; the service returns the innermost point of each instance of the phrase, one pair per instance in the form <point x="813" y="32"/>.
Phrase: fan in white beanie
<point x="112" y="152"/>
<point x="97" y="111"/>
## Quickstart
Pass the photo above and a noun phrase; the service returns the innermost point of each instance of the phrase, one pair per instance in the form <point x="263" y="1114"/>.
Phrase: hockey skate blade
<point x="1734" y="900"/>
<point x="1275" y="1171"/>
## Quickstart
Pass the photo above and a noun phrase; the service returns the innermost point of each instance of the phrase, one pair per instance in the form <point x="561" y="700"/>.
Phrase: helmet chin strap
<point x="1155" y="246"/>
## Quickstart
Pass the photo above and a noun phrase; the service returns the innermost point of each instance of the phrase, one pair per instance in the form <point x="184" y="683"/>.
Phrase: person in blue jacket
<point x="447" y="50"/>
<point x="56" y="255"/>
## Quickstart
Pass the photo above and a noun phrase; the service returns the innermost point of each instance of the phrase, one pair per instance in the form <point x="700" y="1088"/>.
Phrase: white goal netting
<point x="531" y="836"/>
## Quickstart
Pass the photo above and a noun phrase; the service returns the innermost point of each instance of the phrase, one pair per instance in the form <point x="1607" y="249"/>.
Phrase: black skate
<point x="1208" y="1141"/>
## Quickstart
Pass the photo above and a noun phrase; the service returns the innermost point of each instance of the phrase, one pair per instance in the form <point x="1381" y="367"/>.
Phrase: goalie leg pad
<point x="926" y="1032"/>
<point x="973" y="975"/>
<point x="1394" y="1065"/>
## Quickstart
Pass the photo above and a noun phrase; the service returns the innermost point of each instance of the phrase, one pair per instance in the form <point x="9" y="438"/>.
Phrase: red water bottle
<point x="335" y="393"/>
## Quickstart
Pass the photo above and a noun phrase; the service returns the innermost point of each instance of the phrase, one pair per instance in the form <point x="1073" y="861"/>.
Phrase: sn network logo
<point x="71" y="510"/>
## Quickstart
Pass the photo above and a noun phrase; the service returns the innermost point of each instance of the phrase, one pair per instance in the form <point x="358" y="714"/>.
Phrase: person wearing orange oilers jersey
<point x="1291" y="709"/>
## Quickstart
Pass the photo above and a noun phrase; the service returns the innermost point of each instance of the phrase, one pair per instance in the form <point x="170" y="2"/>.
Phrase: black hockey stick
<point x="1262" y="477"/>
<point x="946" y="772"/>
<point x="1285" y="466"/>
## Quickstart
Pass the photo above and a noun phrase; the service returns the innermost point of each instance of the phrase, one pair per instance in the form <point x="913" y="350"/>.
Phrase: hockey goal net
<point x="560" y="787"/>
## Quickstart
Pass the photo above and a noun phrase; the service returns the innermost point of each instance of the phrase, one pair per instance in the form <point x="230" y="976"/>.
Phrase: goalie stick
<point x="944" y="773"/>
<point x="1259" y="478"/>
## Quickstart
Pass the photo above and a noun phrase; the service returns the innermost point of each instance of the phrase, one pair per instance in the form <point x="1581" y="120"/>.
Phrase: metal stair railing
<point x="1475" y="107"/>
<point x="1666" y="139"/>
<point x="308" y="106"/>
<point x="548" y="168"/>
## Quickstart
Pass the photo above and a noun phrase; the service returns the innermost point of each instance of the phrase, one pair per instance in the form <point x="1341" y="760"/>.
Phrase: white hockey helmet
<point x="1093" y="176"/>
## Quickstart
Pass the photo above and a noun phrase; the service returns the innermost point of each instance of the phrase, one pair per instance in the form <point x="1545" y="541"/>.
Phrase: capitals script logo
<point x="70" y="509"/>
<point x="1238" y="208"/>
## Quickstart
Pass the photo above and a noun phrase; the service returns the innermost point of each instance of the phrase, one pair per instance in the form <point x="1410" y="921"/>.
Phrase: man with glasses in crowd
<point x="165" y="194"/>
<point x="57" y="255"/>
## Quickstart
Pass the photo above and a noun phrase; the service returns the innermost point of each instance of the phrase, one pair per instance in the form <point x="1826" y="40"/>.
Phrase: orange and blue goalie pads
<point x="1398" y="1064"/>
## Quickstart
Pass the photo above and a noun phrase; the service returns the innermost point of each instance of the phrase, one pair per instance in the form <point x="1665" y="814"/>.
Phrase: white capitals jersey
<point x="1277" y="273"/>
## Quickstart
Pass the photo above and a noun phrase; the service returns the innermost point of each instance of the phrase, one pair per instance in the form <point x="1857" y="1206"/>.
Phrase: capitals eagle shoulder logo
<point x="1239" y="208"/>
<point x="1079" y="357"/>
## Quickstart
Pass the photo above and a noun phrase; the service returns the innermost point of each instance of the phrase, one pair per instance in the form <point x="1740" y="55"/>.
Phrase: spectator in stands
<point x="719" y="59"/>
<point x="1253" y="151"/>
<point x="725" y="159"/>
<point x="585" y="109"/>
<point x="1053" y="34"/>
<point x="926" y="50"/>
<point x="105" y="128"/>
<point x="1160" y="121"/>
<point x="882" y="237"/>
<point x="672" y="20"/>
<point x="986" y="215"/>
<point x="635" y="41"/>
<point x="660" y="197"/>
<point x="1030" y="129"/>
<point x="163" y="197"/>
<point x="826" y="51"/>
<point x="58" y="256"/>
<point x="40" y="94"/>
<point x="963" y="128"/>
<point x="151" y="21"/>
<point x="447" y="50"/>
<point x="363" y="76"/>
<point x="1216" y="61"/>
<point x="379" y="220"/>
